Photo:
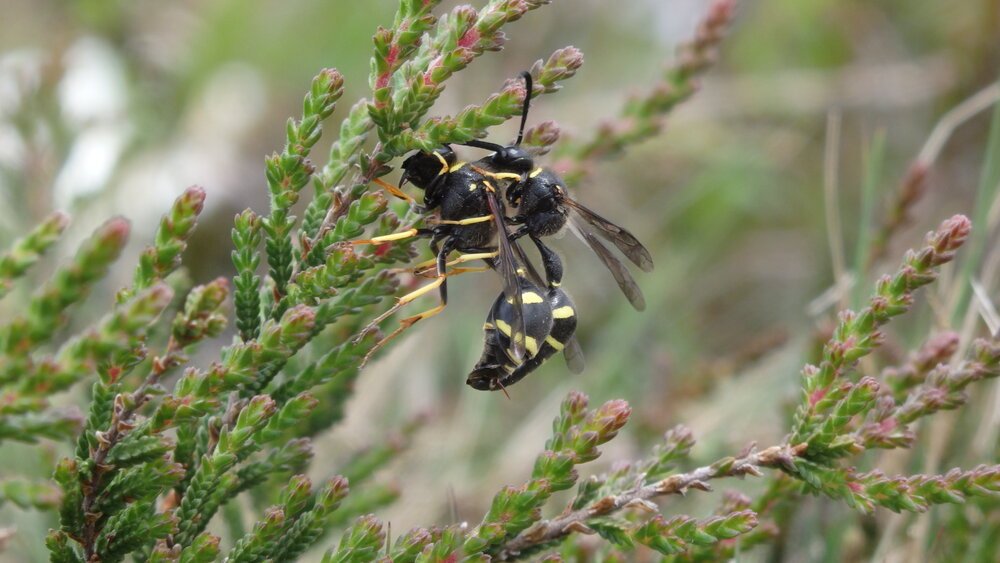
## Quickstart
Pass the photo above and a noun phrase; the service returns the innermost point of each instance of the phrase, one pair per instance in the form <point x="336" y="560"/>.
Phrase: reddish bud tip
<point x="195" y="195"/>
<point x="115" y="230"/>
<point x="59" y="220"/>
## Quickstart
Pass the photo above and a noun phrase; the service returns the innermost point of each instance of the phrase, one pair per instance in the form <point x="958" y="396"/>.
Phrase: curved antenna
<point x="527" y="102"/>
<point x="483" y="145"/>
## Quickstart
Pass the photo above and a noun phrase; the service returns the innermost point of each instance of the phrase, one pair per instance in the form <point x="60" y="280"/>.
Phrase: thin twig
<point x="748" y="463"/>
<point x="120" y="424"/>
<point x="911" y="187"/>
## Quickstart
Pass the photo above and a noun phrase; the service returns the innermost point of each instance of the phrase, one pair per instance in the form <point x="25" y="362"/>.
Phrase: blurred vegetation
<point x="115" y="107"/>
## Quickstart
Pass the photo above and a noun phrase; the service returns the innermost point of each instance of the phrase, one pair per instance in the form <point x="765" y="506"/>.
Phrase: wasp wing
<point x="621" y="238"/>
<point x="508" y="273"/>
<point x="614" y="265"/>
<point x="572" y="353"/>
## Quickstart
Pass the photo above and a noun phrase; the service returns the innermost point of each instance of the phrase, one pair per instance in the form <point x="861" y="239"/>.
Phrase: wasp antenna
<point x="527" y="103"/>
<point x="476" y="143"/>
<point x="504" y="390"/>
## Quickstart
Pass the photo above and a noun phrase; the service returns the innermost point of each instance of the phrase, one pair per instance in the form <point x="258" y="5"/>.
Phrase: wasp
<point x="469" y="217"/>
<point x="549" y="327"/>
<point x="545" y="208"/>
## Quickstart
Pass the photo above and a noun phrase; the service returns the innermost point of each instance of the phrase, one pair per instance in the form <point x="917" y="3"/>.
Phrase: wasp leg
<point x="551" y="262"/>
<point x="440" y="283"/>
<point x="407" y="322"/>
<point x="421" y="268"/>
<point x="467" y="221"/>
<point x="402" y="235"/>
<point x="520" y="232"/>
<point x="550" y="259"/>
<point x="394" y="191"/>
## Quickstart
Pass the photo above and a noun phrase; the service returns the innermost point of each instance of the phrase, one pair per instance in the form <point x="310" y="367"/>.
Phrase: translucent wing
<point x="573" y="354"/>
<point x="617" y="269"/>
<point x="621" y="238"/>
<point x="508" y="272"/>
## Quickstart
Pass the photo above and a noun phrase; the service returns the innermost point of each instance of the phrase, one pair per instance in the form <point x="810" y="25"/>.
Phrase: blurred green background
<point x="113" y="107"/>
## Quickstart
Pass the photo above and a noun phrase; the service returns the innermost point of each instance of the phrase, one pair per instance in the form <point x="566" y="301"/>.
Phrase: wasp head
<point x="485" y="377"/>
<point x="514" y="159"/>
<point x="421" y="168"/>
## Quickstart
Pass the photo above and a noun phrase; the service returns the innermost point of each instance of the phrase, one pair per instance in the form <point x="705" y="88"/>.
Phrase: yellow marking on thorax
<point x="489" y="186"/>
<point x="563" y="312"/>
<point x="554" y="343"/>
<point x="488" y="326"/>
<point x="505" y="175"/>
<point x="456" y="166"/>
<point x="472" y="187"/>
<point x="535" y="172"/>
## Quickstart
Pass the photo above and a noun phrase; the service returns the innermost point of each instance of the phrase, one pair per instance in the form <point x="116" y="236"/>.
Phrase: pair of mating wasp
<point x="533" y="319"/>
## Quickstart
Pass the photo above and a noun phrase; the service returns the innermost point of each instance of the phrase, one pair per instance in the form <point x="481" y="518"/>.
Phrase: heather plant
<point x="167" y="445"/>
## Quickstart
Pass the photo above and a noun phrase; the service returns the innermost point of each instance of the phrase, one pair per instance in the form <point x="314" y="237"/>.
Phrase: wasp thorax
<point x="421" y="168"/>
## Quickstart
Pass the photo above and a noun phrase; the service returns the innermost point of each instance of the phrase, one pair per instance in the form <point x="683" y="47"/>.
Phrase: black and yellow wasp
<point x="544" y="208"/>
<point x="532" y="319"/>
<point x="469" y="218"/>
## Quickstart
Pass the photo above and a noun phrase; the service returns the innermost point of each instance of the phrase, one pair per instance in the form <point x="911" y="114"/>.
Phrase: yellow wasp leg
<point x="417" y="293"/>
<point x="462" y="258"/>
<point x="498" y="175"/>
<point x="394" y="190"/>
<point x="444" y="163"/>
<point x="405" y="323"/>
<point x="469" y="221"/>
<point x="409" y="233"/>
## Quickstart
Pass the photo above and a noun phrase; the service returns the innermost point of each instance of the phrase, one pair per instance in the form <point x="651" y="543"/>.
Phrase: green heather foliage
<point x="171" y="439"/>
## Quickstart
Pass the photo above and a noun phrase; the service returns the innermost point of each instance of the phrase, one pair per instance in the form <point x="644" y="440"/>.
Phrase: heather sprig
<point x="28" y="493"/>
<point x="681" y="533"/>
<point x="164" y="255"/>
<point x="941" y="388"/>
<point x="246" y="242"/>
<point x="207" y="488"/>
<point x="15" y="262"/>
<point x="111" y="347"/>
<point x="473" y="121"/>
<point x="290" y="528"/>
<point x="70" y="284"/>
<point x="577" y="433"/>
<point x="344" y="154"/>
<point x="361" y="542"/>
<point x="644" y="116"/>
<point x="287" y="173"/>
<point x="826" y="386"/>
<point x="937" y="350"/>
